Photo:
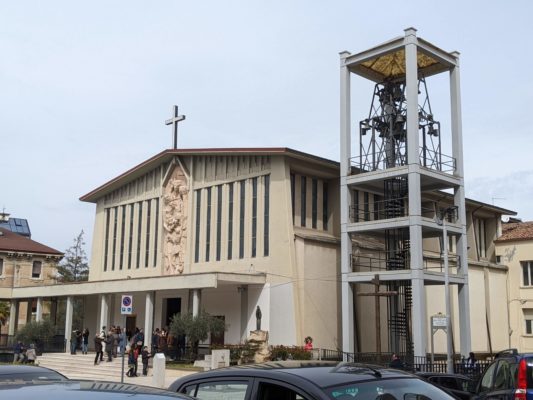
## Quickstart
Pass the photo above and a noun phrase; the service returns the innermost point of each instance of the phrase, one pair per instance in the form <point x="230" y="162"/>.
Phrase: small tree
<point x="36" y="332"/>
<point x="196" y="328"/>
<point x="74" y="266"/>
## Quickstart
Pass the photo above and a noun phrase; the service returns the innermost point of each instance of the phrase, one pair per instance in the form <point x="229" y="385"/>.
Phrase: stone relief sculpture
<point x="175" y="222"/>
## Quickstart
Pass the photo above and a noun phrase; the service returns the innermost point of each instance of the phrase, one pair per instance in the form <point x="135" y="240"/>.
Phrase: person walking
<point x="73" y="341"/>
<point x="145" y="354"/>
<point x="84" y="341"/>
<point x="98" y="348"/>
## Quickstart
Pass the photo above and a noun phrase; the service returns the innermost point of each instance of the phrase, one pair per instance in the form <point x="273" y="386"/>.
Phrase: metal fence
<point x="55" y="344"/>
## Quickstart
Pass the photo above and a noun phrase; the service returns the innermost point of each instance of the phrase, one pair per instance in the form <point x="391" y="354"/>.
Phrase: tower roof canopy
<point x="387" y="60"/>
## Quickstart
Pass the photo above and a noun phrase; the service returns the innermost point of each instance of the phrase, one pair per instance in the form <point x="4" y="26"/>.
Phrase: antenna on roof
<point x="4" y="217"/>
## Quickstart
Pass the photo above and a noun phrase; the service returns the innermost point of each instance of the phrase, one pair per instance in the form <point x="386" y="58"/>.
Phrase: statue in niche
<point x="175" y="223"/>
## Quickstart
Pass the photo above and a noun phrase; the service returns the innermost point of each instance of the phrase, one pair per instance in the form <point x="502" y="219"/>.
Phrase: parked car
<point x="84" y="390"/>
<point x="510" y="376"/>
<point x="299" y="380"/>
<point x="27" y="373"/>
<point x="459" y="385"/>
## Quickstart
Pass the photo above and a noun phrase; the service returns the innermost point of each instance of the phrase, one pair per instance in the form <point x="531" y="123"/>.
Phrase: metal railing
<point x="55" y="344"/>
<point x="378" y="162"/>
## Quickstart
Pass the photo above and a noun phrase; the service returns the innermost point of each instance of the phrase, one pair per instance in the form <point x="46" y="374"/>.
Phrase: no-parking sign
<point x="126" y="305"/>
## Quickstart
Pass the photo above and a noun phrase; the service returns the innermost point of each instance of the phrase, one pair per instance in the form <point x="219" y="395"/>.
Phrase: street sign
<point x="126" y="305"/>
<point x="439" y="321"/>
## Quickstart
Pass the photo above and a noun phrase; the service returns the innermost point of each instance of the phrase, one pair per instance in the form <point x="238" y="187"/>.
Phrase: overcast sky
<point x="85" y="88"/>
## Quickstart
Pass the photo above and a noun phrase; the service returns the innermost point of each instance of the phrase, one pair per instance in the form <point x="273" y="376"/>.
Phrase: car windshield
<point x="388" y="389"/>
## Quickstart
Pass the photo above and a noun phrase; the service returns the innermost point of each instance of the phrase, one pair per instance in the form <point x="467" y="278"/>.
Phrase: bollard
<point x="159" y="365"/>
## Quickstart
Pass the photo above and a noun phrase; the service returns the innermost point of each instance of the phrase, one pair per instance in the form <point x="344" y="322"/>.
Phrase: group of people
<point x="79" y="340"/>
<point x="115" y="340"/>
<point x="163" y="341"/>
<point x="23" y="354"/>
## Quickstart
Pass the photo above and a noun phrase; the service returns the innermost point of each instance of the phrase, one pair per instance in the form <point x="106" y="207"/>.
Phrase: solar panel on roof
<point x="17" y="225"/>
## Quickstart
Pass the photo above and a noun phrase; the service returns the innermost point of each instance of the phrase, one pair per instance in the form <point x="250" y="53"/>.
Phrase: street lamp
<point x="442" y="222"/>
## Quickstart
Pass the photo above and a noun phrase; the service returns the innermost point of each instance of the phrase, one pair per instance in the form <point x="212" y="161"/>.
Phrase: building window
<point x="314" y="202"/>
<point x="355" y="206"/>
<point x="36" y="269"/>
<point x="219" y="220"/>
<point x="115" y="228"/>
<point x="208" y="226"/>
<point x="479" y="229"/>
<point x="293" y="196"/>
<point x="106" y="246"/>
<point x="139" y="232"/>
<point x="254" y="216"/>
<point x="376" y="207"/>
<point x="197" y="236"/>
<point x="130" y="239"/>
<point x="241" y="218"/>
<point x="528" y="321"/>
<point x="122" y="232"/>
<point x="527" y="273"/>
<point x="266" y="221"/>
<point x="148" y="217"/>
<point x="303" y="192"/>
<point x="366" y="206"/>
<point x="230" y="220"/>
<point x="325" y="206"/>
<point x="156" y="231"/>
<point x="1" y="266"/>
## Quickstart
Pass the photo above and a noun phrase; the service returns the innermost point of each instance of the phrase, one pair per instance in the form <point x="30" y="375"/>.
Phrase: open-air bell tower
<point x="398" y="158"/>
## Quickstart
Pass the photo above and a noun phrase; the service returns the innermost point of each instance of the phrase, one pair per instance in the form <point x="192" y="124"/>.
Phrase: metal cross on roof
<point x="174" y="121"/>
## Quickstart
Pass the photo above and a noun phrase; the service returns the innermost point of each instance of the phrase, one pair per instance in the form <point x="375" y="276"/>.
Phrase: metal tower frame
<point x="400" y="157"/>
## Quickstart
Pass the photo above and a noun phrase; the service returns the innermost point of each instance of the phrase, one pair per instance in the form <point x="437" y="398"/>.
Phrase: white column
<point x="104" y="310"/>
<point x="68" y="321"/>
<point x="347" y="310"/>
<point x="148" y="319"/>
<point x="195" y="302"/>
<point x="39" y="313"/>
<point x="459" y="201"/>
<point x="13" y="311"/>
<point x="411" y="83"/>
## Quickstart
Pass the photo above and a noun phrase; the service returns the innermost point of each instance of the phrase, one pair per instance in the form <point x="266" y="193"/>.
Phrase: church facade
<point x="228" y="230"/>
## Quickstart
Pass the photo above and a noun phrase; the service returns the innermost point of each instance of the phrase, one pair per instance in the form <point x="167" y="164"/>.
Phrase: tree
<point x="196" y="328"/>
<point x="4" y="312"/>
<point x="74" y="266"/>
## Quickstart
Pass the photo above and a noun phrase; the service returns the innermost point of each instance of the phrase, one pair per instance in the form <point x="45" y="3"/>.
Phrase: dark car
<point x="84" y="390"/>
<point x="307" y="381"/>
<point x="510" y="376"/>
<point x="28" y="373"/>
<point x="459" y="385"/>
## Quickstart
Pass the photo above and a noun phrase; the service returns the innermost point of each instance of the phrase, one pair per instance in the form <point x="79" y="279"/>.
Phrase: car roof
<point x="84" y="389"/>
<point x="430" y="374"/>
<point x="19" y="370"/>
<point x="320" y="374"/>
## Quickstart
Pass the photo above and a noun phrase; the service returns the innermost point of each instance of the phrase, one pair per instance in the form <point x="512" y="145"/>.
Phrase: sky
<point x="85" y="88"/>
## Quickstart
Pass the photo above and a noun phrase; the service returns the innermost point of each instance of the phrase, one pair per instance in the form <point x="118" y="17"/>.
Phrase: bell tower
<point x="393" y="159"/>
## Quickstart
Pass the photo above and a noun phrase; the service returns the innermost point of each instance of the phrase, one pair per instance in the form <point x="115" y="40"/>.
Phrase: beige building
<point x="25" y="263"/>
<point x="515" y="249"/>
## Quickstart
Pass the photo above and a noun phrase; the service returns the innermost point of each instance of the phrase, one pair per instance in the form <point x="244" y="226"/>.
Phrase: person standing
<point x="145" y="354"/>
<point x="73" y="341"/>
<point x="98" y="348"/>
<point x="109" y="346"/>
<point x="31" y="354"/>
<point x="18" y="351"/>
<point x="308" y="343"/>
<point x="84" y="341"/>
<point x="396" y="362"/>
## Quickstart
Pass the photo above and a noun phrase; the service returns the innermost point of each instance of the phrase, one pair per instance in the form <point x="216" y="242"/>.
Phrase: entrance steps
<point x="81" y="366"/>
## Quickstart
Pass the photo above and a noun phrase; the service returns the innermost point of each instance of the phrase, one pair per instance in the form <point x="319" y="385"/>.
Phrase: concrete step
<point x="81" y="366"/>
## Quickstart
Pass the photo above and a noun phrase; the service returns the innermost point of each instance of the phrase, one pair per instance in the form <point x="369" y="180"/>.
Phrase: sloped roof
<point x="12" y="242"/>
<point x="516" y="231"/>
